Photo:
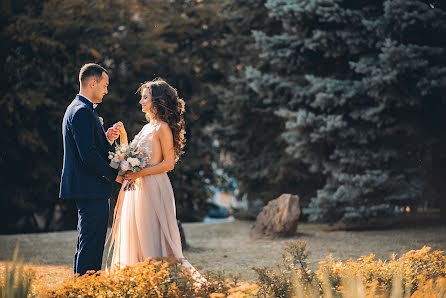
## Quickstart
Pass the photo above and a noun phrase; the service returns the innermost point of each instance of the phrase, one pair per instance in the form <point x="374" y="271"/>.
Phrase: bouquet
<point x="126" y="158"/>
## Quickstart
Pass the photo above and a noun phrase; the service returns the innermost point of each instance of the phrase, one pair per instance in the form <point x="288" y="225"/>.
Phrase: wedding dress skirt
<point x="148" y="225"/>
<point x="144" y="221"/>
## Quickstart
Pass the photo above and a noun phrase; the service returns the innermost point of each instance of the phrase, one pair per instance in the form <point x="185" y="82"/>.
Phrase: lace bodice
<point x="143" y="141"/>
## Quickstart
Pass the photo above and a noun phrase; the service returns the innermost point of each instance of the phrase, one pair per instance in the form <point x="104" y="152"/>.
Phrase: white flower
<point x="130" y="161"/>
<point x="125" y="166"/>
<point x="133" y="161"/>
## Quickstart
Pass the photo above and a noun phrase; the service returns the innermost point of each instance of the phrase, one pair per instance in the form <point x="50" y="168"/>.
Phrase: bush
<point x="17" y="281"/>
<point x="418" y="273"/>
<point x="163" y="277"/>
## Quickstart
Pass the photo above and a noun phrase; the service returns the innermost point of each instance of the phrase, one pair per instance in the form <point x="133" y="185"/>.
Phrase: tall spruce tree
<point x="355" y="82"/>
<point x="252" y="149"/>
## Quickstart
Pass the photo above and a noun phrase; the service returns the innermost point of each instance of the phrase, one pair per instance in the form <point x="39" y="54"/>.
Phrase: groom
<point x="86" y="176"/>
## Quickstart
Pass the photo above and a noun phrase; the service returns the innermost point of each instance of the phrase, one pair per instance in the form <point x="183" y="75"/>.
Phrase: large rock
<point x="278" y="218"/>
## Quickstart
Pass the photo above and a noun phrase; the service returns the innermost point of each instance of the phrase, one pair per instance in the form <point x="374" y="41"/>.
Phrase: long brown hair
<point x="168" y="107"/>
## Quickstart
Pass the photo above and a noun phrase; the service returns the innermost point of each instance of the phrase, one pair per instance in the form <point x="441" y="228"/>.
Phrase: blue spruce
<point x="355" y="82"/>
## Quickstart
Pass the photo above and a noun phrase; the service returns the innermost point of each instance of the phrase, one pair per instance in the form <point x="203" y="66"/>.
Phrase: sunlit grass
<point x="16" y="278"/>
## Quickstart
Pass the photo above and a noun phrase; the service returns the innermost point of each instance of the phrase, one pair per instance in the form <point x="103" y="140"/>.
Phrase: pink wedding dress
<point x="145" y="223"/>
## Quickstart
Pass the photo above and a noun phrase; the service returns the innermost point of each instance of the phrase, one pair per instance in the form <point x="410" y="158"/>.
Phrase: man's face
<point x="100" y="88"/>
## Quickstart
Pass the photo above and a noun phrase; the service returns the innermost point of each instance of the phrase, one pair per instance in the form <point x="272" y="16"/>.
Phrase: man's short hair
<point x="90" y="70"/>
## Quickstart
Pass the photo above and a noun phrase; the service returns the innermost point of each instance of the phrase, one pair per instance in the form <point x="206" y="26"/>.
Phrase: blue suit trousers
<point x="92" y="230"/>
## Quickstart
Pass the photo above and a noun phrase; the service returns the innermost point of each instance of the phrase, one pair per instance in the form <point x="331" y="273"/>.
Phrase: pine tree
<point x="352" y="79"/>
<point x="248" y="131"/>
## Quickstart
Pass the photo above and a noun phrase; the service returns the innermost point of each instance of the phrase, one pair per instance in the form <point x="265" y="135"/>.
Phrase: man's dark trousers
<point x="87" y="179"/>
<point x="92" y="229"/>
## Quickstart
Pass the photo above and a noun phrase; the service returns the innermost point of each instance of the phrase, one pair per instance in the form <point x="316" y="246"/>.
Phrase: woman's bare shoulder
<point x="164" y="128"/>
<point x="163" y="125"/>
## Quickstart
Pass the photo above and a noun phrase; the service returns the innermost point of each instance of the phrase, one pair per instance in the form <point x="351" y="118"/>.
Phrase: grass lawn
<point x="227" y="247"/>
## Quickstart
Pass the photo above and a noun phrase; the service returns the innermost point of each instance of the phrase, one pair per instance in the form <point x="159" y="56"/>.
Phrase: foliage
<point x="43" y="49"/>
<point x="416" y="273"/>
<point x="352" y="81"/>
<point x="17" y="280"/>
<point x="251" y="148"/>
<point x="315" y="99"/>
<point x="195" y="31"/>
<point x="162" y="277"/>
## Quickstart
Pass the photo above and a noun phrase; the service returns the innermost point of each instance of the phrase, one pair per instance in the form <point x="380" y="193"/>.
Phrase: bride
<point x="145" y="222"/>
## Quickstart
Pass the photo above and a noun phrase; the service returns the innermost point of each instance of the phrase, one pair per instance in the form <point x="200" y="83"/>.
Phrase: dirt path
<point x="227" y="246"/>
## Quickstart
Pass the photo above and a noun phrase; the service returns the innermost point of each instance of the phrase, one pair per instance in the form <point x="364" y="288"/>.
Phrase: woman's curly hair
<point x="168" y="107"/>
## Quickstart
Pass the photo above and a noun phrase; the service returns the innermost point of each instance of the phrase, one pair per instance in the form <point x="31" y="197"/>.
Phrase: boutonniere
<point x="102" y="120"/>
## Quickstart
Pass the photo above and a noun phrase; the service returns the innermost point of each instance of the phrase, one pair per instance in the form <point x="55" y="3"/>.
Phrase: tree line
<point x="337" y="101"/>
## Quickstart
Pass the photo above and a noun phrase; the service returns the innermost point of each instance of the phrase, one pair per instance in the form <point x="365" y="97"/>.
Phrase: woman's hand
<point x="120" y="179"/>
<point x="132" y="176"/>
<point x="120" y="127"/>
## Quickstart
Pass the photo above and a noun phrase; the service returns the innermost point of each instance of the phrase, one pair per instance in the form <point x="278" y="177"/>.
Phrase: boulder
<point x="278" y="218"/>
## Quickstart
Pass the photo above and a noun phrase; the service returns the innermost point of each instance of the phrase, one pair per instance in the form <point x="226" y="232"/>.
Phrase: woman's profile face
<point x="146" y="100"/>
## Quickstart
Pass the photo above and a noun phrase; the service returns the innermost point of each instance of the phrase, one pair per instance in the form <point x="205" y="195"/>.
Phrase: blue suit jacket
<point x="86" y="171"/>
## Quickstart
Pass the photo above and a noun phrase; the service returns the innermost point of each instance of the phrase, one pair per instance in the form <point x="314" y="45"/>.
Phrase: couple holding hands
<point x="145" y="222"/>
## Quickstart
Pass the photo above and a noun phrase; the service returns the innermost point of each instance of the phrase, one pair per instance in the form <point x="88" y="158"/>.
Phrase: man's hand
<point x="112" y="134"/>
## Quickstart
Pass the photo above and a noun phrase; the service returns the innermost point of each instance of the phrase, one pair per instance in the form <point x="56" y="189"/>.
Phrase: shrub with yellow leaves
<point x="161" y="277"/>
<point x="418" y="273"/>
<point x="16" y="282"/>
